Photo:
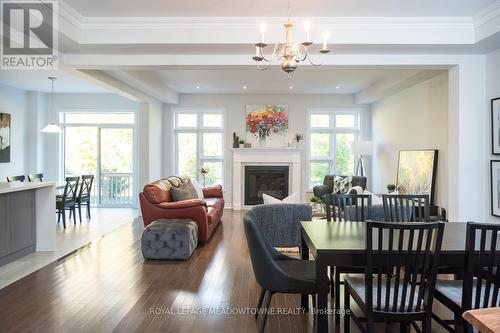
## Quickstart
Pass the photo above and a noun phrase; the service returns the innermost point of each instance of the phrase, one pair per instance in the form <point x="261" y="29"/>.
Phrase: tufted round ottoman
<point x="169" y="239"/>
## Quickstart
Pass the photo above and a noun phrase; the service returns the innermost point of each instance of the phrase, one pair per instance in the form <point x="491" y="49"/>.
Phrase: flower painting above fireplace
<point x="266" y="125"/>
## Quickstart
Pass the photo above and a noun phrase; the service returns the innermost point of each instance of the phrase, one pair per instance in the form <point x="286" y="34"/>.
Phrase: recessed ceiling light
<point x="291" y="87"/>
<point x="337" y="87"/>
<point x="197" y="87"/>
<point x="245" y="87"/>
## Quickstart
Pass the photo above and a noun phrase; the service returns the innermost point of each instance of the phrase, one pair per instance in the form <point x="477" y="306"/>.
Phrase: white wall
<point x="15" y="102"/>
<point x="415" y="118"/>
<point x="492" y="91"/>
<point x="234" y="107"/>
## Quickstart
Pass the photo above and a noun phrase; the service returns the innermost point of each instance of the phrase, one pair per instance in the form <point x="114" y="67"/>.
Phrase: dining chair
<point x="12" y="179"/>
<point x="35" y="177"/>
<point x="481" y="283"/>
<point x="344" y="208"/>
<point x="400" y="276"/>
<point x="67" y="201"/>
<point x="274" y="271"/>
<point x="84" y="194"/>
<point x="406" y="208"/>
<point x="347" y="207"/>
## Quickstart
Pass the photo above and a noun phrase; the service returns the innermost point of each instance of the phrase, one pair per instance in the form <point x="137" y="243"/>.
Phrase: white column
<point x="466" y="161"/>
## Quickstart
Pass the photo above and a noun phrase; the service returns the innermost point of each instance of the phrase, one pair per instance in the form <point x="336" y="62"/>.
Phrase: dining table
<point x="344" y="244"/>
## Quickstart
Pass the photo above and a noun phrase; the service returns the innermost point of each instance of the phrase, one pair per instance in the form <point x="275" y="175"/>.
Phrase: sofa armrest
<point x="213" y="192"/>
<point x="320" y="190"/>
<point x="182" y="204"/>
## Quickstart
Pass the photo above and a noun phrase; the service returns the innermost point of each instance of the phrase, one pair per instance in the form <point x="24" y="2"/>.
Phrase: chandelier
<point x="290" y="54"/>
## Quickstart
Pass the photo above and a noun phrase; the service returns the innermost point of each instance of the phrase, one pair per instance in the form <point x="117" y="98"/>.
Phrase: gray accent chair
<point x="327" y="187"/>
<point x="274" y="271"/>
<point x="280" y="223"/>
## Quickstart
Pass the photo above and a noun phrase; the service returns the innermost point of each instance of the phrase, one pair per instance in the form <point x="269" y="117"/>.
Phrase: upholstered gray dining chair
<point x="280" y="223"/>
<point x="274" y="271"/>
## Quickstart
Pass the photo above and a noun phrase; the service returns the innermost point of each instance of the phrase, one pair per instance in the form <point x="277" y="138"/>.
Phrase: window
<point x="330" y="135"/>
<point x="199" y="141"/>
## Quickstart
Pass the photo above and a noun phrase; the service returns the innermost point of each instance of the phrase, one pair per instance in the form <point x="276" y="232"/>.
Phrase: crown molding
<point x="231" y="30"/>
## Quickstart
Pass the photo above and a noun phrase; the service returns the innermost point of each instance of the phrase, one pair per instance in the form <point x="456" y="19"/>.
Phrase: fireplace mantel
<point x="264" y="156"/>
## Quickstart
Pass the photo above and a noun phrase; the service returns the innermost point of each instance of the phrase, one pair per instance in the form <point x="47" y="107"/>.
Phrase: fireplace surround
<point x="264" y="157"/>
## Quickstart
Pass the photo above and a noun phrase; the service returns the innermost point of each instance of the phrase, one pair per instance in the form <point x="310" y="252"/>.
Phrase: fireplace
<point x="271" y="180"/>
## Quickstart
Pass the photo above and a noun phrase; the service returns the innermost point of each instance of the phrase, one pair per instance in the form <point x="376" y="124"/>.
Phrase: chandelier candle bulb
<point x="325" y="39"/>
<point x="262" y="30"/>
<point x="307" y="26"/>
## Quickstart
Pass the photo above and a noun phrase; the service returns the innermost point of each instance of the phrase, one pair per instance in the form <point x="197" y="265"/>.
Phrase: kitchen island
<point x="27" y="219"/>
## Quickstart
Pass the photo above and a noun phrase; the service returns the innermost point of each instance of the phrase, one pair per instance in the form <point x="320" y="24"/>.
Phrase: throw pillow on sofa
<point x="291" y="199"/>
<point x="181" y="193"/>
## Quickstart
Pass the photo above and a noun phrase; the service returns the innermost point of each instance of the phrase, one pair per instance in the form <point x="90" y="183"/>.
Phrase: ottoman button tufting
<point x="169" y="239"/>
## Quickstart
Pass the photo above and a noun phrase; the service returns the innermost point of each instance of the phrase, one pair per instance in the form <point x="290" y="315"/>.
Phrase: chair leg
<point x="337" y="296"/>
<point x="80" y="211"/>
<point x="259" y="304"/>
<point x="347" y="309"/>
<point x="74" y="214"/>
<point x="267" y="302"/>
<point x="63" y="212"/>
<point x="427" y="324"/>
<point x="58" y="216"/>
<point x="88" y="210"/>
<point x="332" y="281"/>
<point x="404" y="328"/>
<point x="314" y="304"/>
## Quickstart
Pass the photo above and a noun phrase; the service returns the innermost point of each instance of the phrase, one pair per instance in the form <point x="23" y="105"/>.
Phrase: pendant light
<point x="52" y="126"/>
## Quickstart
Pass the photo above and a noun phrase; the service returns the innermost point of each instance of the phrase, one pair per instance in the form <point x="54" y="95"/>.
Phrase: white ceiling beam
<point x="391" y="85"/>
<point x="102" y="80"/>
<point x="166" y="61"/>
<point x="147" y="82"/>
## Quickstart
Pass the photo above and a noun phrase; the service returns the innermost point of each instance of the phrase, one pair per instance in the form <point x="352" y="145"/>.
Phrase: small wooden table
<point x="485" y="320"/>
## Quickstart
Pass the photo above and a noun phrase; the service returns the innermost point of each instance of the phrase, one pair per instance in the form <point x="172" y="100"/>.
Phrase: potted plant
<point x="391" y="188"/>
<point x="297" y="138"/>
<point x="242" y="143"/>
<point x="318" y="206"/>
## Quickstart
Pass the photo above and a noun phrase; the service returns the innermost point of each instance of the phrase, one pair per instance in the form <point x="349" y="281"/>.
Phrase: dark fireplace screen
<point x="271" y="180"/>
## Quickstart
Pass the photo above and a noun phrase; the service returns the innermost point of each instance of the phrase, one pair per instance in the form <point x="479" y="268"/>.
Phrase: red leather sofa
<point x="156" y="202"/>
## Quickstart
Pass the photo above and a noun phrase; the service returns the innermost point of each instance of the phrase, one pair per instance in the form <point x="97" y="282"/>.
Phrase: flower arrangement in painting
<point x="269" y="120"/>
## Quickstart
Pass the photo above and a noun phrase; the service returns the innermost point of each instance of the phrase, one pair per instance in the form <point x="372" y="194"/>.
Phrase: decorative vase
<point x="262" y="139"/>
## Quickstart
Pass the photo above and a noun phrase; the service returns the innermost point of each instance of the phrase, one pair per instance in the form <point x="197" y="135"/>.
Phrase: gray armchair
<point x="280" y="223"/>
<point x="327" y="187"/>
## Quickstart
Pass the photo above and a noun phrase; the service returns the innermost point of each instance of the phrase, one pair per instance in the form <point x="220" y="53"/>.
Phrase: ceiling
<point x="306" y="80"/>
<point x="37" y="80"/>
<point x="265" y="8"/>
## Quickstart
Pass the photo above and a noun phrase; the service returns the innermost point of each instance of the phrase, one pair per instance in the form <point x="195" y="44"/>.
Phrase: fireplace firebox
<point x="270" y="180"/>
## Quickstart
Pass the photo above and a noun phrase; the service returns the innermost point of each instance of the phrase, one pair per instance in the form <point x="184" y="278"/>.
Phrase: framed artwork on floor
<point x="5" y="137"/>
<point x="495" y="187"/>
<point x="495" y="126"/>
<point x="417" y="172"/>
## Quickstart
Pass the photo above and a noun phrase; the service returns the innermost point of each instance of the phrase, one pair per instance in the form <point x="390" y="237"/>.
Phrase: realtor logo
<point x="29" y="34"/>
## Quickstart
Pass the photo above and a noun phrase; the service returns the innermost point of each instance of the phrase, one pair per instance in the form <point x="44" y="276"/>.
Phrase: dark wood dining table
<point x="344" y="244"/>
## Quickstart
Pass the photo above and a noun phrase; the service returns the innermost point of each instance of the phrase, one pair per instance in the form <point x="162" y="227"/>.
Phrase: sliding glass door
<point x="104" y="149"/>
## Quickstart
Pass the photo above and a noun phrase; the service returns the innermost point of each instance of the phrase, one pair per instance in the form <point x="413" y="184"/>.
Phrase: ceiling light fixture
<point x="197" y="87"/>
<point x="52" y="126"/>
<point x="291" y="87"/>
<point x="289" y="53"/>
<point x="244" y="87"/>
<point x="337" y="87"/>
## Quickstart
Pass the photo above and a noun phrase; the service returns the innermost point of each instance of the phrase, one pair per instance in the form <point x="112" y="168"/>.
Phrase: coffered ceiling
<point x="312" y="8"/>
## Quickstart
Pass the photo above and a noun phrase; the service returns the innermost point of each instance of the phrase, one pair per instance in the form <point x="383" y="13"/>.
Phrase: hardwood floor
<point x="107" y="286"/>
